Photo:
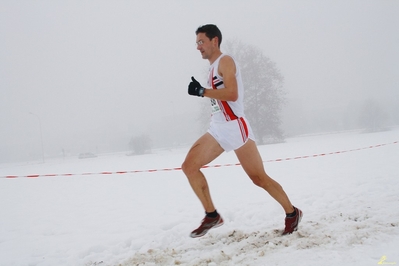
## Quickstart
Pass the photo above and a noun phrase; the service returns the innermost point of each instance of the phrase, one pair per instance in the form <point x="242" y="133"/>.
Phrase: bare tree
<point x="264" y="96"/>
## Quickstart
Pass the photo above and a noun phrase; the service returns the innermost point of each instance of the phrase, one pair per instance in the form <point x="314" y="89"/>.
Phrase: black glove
<point x="195" y="88"/>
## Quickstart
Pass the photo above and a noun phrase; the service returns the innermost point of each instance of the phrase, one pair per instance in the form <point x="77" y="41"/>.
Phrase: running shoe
<point x="291" y="223"/>
<point x="206" y="224"/>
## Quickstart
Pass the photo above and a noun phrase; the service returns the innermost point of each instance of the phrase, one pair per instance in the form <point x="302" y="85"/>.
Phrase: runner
<point x="229" y="130"/>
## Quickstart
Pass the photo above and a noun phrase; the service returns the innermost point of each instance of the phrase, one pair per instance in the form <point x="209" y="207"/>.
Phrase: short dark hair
<point x="211" y="31"/>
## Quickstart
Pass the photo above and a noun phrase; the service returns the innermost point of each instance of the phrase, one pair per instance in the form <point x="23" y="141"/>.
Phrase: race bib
<point x="215" y="106"/>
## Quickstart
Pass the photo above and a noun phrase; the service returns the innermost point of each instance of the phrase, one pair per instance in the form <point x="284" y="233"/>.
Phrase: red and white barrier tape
<point x="205" y="166"/>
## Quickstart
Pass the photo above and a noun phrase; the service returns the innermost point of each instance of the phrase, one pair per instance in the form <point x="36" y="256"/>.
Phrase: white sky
<point x="99" y="71"/>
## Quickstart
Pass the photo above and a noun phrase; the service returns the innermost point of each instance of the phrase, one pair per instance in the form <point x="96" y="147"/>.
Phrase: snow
<point x="349" y="199"/>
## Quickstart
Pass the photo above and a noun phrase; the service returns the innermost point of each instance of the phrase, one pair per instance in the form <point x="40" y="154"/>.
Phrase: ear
<point x="215" y="41"/>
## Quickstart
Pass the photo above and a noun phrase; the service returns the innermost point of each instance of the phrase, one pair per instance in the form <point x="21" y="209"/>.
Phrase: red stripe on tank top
<point x="224" y="105"/>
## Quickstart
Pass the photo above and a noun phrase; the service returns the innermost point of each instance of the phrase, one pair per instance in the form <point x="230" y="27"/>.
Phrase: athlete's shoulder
<point x="228" y="63"/>
<point x="227" y="60"/>
<point x="227" y="57"/>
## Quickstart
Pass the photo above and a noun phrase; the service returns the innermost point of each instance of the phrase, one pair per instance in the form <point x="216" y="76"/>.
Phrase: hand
<point x="195" y="88"/>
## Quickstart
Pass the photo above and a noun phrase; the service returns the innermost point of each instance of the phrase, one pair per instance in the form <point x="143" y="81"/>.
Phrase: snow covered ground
<point x="350" y="202"/>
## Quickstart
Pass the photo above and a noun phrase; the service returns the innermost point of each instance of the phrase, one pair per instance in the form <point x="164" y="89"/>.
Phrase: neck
<point x="214" y="57"/>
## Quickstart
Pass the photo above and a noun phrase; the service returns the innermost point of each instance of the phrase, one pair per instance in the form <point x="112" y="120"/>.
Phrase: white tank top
<point x="223" y="111"/>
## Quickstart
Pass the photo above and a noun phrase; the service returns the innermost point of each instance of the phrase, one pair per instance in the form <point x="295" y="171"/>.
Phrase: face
<point x="206" y="46"/>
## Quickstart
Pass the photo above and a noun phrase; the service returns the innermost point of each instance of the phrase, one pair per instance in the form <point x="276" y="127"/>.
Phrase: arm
<point x="227" y="69"/>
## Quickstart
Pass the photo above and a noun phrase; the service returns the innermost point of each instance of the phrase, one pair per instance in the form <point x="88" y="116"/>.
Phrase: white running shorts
<point x="231" y="135"/>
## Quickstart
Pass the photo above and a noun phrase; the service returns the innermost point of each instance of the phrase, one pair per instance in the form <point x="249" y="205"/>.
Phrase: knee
<point x="188" y="168"/>
<point x="184" y="167"/>
<point x="261" y="181"/>
<point x="257" y="180"/>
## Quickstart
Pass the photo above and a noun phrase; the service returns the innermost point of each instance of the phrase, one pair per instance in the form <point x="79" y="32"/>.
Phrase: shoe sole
<point x="299" y="220"/>
<point x="206" y="230"/>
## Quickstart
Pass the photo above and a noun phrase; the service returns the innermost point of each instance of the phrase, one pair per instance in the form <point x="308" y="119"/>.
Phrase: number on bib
<point x="215" y="106"/>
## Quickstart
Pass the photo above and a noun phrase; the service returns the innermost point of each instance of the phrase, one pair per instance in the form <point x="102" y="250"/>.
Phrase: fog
<point x="86" y="76"/>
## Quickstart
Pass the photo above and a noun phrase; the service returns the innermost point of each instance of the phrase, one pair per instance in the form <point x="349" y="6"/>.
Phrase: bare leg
<point x="251" y="161"/>
<point x="203" y="151"/>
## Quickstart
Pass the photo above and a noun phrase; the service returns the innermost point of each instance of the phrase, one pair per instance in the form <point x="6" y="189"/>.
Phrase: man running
<point x="229" y="130"/>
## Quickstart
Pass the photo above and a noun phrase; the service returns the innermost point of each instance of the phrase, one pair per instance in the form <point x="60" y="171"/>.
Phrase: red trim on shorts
<point x="243" y="128"/>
